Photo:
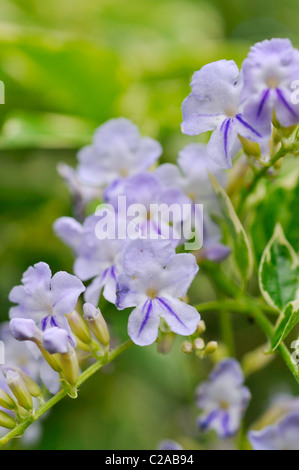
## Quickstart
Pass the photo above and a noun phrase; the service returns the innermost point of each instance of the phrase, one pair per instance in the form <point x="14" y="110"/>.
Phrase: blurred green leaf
<point x="241" y="247"/>
<point x="286" y="322"/>
<point x="279" y="271"/>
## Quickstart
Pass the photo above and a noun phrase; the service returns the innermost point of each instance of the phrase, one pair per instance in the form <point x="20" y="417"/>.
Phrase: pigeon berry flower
<point x="223" y="399"/>
<point x="154" y="280"/>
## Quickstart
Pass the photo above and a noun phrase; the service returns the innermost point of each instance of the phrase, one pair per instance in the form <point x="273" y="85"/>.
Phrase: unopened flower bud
<point x="52" y="359"/>
<point x="24" y="329"/>
<point x="70" y="366"/>
<point x="96" y="323"/>
<point x="6" y="401"/>
<point x="6" y="421"/>
<point x="33" y="387"/>
<point x="201" y="327"/>
<point x="19" y="388"/>
<point x="250" y="148"/>
<point x="211" y="347"/>
<point x="198" y="344"/>
<point x="187" y="347"/>
<point x="79" y="327"/>
<point x="55" y="340"/>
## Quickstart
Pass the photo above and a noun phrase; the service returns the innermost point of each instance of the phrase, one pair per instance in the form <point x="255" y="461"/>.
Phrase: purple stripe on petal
<point x="205" y="423"/>
<point x="104" y="274"/>
<point x="147" y="314"/>
<point x="245" y="124"/>
<point x="44" y="322"/>
<point x="227" y="125"/>
<point x="262" y="103"/>
<point x="225" y="425"/>
<point x="53" y="321"/>
<point x="285" y="103"/>
<point x="112" y="273"/>
<point x="169" y="309"/>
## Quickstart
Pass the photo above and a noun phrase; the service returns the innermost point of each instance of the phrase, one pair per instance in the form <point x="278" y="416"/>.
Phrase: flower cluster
<point x="143" y="262"/>
<point x="234" y="103"/>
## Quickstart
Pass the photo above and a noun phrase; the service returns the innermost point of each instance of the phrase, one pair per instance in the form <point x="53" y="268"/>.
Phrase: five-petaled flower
<point x="223" y="399"/>
<point x="214" y="105"/>
<point x="154" y="281"/>
<point x="117" y="152"/>
<point x="44" y="298"/>
<point x="268" y="72"/>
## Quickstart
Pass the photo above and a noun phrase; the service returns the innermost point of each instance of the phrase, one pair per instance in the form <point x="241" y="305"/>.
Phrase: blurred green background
<point x="68" y="67"/>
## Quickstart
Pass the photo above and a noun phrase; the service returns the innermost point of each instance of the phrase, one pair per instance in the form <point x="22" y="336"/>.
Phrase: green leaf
<point x="242" y="250"/>
<point x="286" y="322"/>
<point x="279" y="271"/>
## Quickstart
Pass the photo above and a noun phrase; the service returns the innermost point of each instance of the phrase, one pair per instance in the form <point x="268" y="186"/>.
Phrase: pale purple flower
<point x="147" y="190"/>
<point x="96" y="259"/>
<point x="45" y="299"/>
<point x="283" y="435"/>
<point x="214" y="105"/>
<point x="117" y="151"/>
<point x="223" y="399"/>
<point x="268" y="73"/>
<point x="154" y="280"/>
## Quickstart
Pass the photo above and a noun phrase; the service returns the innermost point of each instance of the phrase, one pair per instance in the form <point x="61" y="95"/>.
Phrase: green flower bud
<point x="97" y="323"/>
<point x="19" y="388"/>
<point x="33" y="387"/>
<point x="211" y="347"/>
<point x="70" y="366"/>
<point x="250" y="148"/>
<point x="6" y="421"/>
<point x="6" y="401"/>
<point x="79" y="327"/>
<point x="52" y="359"/>
<point x="187" y="347"/>
<point x="201" y="327"/>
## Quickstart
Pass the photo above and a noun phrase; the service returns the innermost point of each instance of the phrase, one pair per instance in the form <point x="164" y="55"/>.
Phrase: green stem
<point x="19" y="430"/>
<point x="282" y="152"/>
<point x="245" y="306"/>
<point x="268" y="330"/>
<point x="227" y="332"/>
<point x="252" y="307"/>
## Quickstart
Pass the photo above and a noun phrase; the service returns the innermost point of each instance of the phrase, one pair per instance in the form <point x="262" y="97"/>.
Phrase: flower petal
<point x="144" y="323"/>
<point x="69" y="230"/>
<point x="178" y="275"/>
<point x="65" y="291"/>
<point x="180" y="317"/>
